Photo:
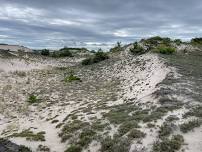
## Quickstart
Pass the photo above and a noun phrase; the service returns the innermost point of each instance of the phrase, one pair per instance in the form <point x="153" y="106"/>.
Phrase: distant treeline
<point x="63" y="52"/>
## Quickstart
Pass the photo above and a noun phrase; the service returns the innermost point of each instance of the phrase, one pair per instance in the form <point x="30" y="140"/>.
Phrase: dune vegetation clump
<point x="137" y="49"/>
<point x="188" y="126"/>
<point x="45" y="52"/>
<point x="97" y="57"/>
<point x="32" y="99"/>
<point x="117" y="48"/>
<point x="71" y="78"/>
<point x="169" y="145"/>
<point x="163" y="49"/>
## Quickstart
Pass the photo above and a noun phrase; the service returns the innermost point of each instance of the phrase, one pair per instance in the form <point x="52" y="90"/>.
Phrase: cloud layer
<point x="57" y="23"/>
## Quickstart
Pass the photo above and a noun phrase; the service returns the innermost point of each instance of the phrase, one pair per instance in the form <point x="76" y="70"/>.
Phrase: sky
<point x="96" y="23"/>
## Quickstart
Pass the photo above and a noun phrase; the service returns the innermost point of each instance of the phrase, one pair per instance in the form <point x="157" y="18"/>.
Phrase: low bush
<point x="134" y="133"/>
<point x="177" y="41"/>
<point x="156" y="40"/>
<point x="127" y="126"/>
<point x="168" y="145"/>
<point x="196" y="41"/>
<point x="71" y="78"/>
<point x="188" y="126"/>
<point x="115" y="145"/>
<point x="32" y="99"/>
<point x="45" y="52"/>
<point x="65" y="52"/>
<point x="196" y="111"/>
<point x="165" y="130"/>
<point x="165" y="49"/>
<point x="117" y="48"/>
<point x="74" y="148"/>
<point x="137" y="49"/>
<point x="29" y="135"/>
<point x="97" y="57"/>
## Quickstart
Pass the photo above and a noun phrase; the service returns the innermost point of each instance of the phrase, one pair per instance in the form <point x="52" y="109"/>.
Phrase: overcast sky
<point x="57" y="23"/>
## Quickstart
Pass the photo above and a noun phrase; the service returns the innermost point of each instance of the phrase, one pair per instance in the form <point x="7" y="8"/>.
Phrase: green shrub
<point x="65" y="52"/>
<point x="156" y="40"/>
<point x="71" y="128"/>
<point x="87" y="61"/>
<point x="177" y="41"/>
<point x="165" y="49"/>
<point x="168" y="145"/>
<point x="97" y="57"/>
<point x="24" y="149"/>
<point x="32" y="99"/>
<point x="165" y="130"/>
<point x="188" y="126"/>
<point x="45" y="52"/>
<point x="74" y="148"/>
<point x="137" y="49"/>
<point x="117" y="48"/>
<point x="71" y="78"/>
<point x="127" y="126"/>
<point x="115" y="145"/>
<point x="29" y="135"/>
<point x="196" y="41"/>
<point x="134" y="133"/>
<point x="196" y="111"/>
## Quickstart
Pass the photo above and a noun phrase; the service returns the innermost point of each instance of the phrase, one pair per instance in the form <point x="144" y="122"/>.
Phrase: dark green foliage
<point x="172" y="118"/>
<point x="120" y="113"/>
<point x="74" y="148"/>
<point x="43" y="148"/>
<point x="117" y="48"/>
<point x="163" y="49"/>
<point x="65" y="52"/>
<point x="134" y="133"/>
<point x="154" y="41"/>
<point x="165" y="130"/>
<point x="87" y="61"/>
<point x="177" y="41"/>
<point x="196" y="41"/>
<point x="29" y="135"/>
<point x="24" y="149"/>
<point x="137" y="49"/>
<point x="197" y="112"/>
<point x="115" y="144"/>
<point x="32" y="99"/>
<point x="45" y="52"/>
<point x="71" y="78"/>
<point x="169" y="145"/>
<point x="97" y="57"/>
<point x="86" y="137"/>
<point x="69" y="129"/>
<point x="127" y="126"/>
<point x="188" y="126"/>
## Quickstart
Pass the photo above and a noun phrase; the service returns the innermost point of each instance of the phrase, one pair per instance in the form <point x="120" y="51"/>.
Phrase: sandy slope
<point x="120" y="80"/>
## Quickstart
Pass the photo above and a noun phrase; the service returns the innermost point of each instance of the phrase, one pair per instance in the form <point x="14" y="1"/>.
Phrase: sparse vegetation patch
<point x="190" y="125"/>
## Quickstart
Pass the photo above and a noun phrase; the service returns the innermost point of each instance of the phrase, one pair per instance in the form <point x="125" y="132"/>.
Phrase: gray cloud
<point x="55" y="23"/>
